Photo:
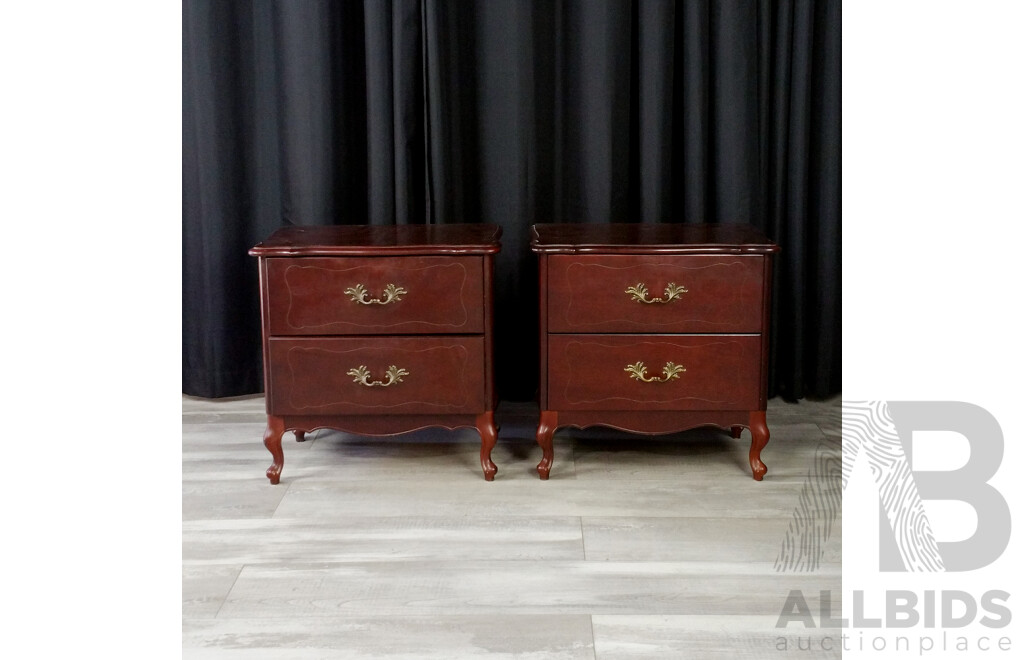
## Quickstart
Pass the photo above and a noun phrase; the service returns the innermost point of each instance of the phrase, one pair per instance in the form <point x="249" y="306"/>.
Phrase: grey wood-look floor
<point x="637" y="547"/>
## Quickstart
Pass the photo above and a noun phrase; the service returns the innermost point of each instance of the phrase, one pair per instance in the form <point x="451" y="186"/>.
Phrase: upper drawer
<point x="650" y="293"/>
<point x="373" y="295"/>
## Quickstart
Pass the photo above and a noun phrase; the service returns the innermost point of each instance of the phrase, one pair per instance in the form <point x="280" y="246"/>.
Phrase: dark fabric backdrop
<point x="510" y="112"/>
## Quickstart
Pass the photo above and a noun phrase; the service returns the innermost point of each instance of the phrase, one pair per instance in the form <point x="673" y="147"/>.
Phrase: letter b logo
<point x="883" y="431"/>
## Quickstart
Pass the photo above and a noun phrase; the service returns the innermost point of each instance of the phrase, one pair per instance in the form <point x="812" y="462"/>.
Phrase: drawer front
<point x="353" y="295"/>
<point x="387" y="375"/>
<point x="649" y="293"/>
<point x="655" y="372"/>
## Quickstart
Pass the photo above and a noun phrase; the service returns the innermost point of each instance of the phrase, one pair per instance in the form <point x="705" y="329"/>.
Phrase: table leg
<point x="272" y="441"/>
<point x="545" y="430"/>
<point x="488" y="438"/>
<point x="758" y="439"/>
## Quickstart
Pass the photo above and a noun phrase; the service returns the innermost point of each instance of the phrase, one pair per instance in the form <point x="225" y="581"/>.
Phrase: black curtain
<point x="510" y="112"/>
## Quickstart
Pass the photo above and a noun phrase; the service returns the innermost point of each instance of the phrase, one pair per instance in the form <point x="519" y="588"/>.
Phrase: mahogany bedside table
<point x="378" y="331"/>
<point x="653" y="329"/>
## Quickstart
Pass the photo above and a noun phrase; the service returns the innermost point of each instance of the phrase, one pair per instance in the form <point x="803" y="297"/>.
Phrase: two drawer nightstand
<point x="653" y="329"/>
<point x="378" y="331"/>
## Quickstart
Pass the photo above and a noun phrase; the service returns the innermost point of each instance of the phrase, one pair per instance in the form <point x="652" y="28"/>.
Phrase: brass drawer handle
<point x="392" y="293"/>
<point x="362" y="376"/>
<point x="639" y="372"/>
<point x="672" y="292"/>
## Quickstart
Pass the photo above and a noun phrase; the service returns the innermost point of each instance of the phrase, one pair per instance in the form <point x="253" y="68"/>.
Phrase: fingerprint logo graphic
<point x="868" y="429"/>
<point x="815" y="515"/>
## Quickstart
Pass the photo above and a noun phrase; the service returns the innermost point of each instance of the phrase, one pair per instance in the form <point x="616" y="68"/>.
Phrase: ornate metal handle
<point x="639" y="372"/>
<point x="362" y="376"/>
<point x="392" y="293"/>
<point x="639" y="293"/>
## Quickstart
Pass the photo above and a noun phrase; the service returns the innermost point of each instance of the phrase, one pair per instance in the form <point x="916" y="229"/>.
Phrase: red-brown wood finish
<point x="590" y="372"/>
<point x="314" y="376"/>
<point x="370" y="241"/>
<point x="272" y="441"/>
<point x="349" y="295"/>
<point x="698" y="324"/>
<point x="545" y="430"/>
<point x="758" y="440"/>
<point x="490" y="391"/>
<point x="597" y="293"/>
<point x="488" y="438"/>
<point x="662" y="238"/>
<point x="410" y="356"/>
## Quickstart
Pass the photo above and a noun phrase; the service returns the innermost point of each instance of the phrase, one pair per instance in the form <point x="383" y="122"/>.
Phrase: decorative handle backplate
<point x="639" y="372"/>
<point x="639" y="293"/>
<point x="362" y="376"/>
<point x="392" y="293"/>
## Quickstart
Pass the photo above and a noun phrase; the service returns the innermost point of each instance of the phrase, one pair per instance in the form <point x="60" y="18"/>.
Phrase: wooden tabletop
<point x="662" y="238"/>
<point x="367" y="240"/>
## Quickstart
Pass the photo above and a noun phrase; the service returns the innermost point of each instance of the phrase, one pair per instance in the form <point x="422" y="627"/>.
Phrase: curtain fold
<point x="511" y="112"/>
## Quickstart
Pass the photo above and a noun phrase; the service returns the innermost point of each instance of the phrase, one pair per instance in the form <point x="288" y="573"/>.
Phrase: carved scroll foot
<point x="488" y="438"/>
<point x="545" y="430"/>
<point x="759" y="438"/>
<point x="272" y="441"/>
<point x="737" y="431"/>
<point x="300" y="436"/>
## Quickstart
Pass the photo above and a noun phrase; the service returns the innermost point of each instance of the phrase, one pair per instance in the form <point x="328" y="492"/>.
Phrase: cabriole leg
<point x="272" y="441"/>
<point x="488" y="438"/>
<point x="545" y="430"/>
<point x="758" y="439"/>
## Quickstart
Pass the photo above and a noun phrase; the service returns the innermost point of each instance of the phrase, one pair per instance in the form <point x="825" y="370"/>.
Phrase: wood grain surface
<point x="592" y="293"/>
<point x="318" y="295"/>
<point x="589" y="372"/>
<point x="312" y="375"/>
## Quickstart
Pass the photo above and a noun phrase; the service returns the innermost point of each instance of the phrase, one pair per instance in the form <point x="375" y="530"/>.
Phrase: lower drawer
<point x="352" y="376"/>
<point x="654" y="372"/>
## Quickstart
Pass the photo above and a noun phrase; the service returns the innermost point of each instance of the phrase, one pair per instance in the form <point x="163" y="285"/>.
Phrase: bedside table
<point x="378" y="331"/>
<point x="653" y="329"/>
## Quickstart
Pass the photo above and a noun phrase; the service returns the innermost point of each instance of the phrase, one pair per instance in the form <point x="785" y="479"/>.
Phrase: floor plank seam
<point x="228" y="593"/>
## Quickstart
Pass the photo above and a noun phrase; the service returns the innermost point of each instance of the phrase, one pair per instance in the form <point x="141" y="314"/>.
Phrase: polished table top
<point x="637" y="238"/>
<point x="356" y="240"/>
